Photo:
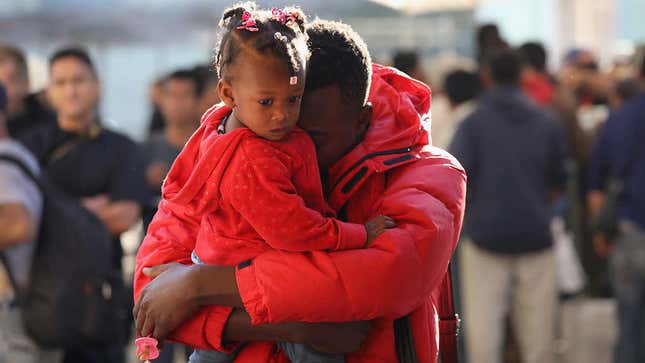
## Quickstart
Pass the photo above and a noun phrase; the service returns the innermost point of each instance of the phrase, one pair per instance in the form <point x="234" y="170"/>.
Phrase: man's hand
<point x="166" y="302"/>
<point x="603" y="246"/>
<point x="96" y="204"/>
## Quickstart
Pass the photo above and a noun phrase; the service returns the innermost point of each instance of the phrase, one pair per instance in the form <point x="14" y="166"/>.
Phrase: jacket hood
<point x="397" y="132"/>
<point x="202" y="162"/>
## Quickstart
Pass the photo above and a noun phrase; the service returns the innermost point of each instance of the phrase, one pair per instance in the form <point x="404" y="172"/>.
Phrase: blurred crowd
<point x="534" y="142"/>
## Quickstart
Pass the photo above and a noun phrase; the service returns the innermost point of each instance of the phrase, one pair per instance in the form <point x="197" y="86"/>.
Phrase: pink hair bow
<point x="283" y="17"/>
<point x="279" y="15"/>
<point x="248" y="22"/>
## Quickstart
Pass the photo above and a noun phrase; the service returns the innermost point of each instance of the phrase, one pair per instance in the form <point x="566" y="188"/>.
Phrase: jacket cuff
<point x="351" y="236"/>
<point x="214" y="329"/>
<point x="251" y="293"/>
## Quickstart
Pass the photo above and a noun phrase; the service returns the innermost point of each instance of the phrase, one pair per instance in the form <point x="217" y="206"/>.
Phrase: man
<point x="408" y="62"/>
<point x="536" y="81"/>
<point x="180" y="98"/>
<point x="462" y="89"/>
<point x="513" y="154"/>
<point x="209" y="79"/>
<point x="375" y="159"/>
<point x="20" y="210"/>
<point x="101" y="168"/>
<point x="25" y="112"/>
<point x="619" y="155"/>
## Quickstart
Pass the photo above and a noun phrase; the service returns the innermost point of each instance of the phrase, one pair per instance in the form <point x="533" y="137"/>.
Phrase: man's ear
<point x="225" y="93"/>
<point x="364" y="119"/>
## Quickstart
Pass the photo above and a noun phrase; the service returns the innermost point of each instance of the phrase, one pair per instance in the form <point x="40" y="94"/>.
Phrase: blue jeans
<point x="628" y="279"/>
<point x="297" y="353"/>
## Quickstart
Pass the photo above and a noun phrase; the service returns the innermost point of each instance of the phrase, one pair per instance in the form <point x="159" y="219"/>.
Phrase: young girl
<point x="255" y="181"/>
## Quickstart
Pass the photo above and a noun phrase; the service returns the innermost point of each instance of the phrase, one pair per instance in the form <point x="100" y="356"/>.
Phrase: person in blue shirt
<point x="513" y="153"/>
<point x="620" y="154"/>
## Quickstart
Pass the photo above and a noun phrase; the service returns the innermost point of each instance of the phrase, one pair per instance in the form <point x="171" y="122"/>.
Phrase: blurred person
<point x="25" y="111"/>
<point x="618" y="161"/>
<point x="536" y="81"/>
<point x="157" y="122"/>
<point x="489" y="40"/>
<point x="408" y="61"/>
<point x="101" y="168"/>
<point x="514" y="155"/>
<point x="462" y="89"/>
<point x="623" y="91"/>
<point x="20" y="210"/>
<point x="179" y="106"/>
<point x="581" y="74"/>
<point x="209" y="95"/>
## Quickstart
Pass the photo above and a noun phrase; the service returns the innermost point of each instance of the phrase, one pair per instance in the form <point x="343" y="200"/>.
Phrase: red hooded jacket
<point x="254" y="194"/>
<point x="393" y="172"/>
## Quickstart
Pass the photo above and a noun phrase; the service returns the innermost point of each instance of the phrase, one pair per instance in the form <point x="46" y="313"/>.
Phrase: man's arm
<point x="117" y="216"/>
<point x="390" y="279"/>
<point x="16" y="224"/>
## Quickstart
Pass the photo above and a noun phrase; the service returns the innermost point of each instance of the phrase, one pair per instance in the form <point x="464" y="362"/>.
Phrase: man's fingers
<point x="389" y="222"/>
<point x="139" y="319"/>
<point x="148" y="327"/>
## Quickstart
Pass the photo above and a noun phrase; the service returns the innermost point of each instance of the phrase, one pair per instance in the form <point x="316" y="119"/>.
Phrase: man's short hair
<point x="462" y="86"/>
<point x="534" y="54"/>
<point x="17" y="57"/>
<point x="77" y="53"/>
<point x="339" y="57"/>
<point x="505" y="66"/>
<point x="189" y="75"/>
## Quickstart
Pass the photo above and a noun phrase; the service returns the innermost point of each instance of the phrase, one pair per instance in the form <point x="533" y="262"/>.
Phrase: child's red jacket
<point x="254" y="195"/>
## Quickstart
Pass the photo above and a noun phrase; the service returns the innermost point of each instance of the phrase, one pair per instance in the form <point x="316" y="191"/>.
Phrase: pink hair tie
<point x="147" y="348"/>
<point x="279" y="15"/>
<point x="248" y="22"/>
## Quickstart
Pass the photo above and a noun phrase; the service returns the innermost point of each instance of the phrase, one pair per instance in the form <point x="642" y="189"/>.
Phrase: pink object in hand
<point x="147" y="348"/>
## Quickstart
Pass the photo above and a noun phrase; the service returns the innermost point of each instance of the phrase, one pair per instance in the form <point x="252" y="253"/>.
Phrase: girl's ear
<point x="225" y="92"/>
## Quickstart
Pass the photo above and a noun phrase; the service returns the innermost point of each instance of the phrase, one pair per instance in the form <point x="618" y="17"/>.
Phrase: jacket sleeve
<point x="389" y="279"/>
<point x="171" y="238"/>
<point x="262" y="191"/>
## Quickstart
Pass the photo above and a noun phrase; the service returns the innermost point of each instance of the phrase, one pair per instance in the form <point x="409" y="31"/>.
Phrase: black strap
<point x="404" y="342"/>
<point x="20" y="165"/>
<point x="23" y="167"/>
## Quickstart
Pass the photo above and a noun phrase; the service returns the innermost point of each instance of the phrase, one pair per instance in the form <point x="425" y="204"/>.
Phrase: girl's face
<point x="261" y="95"/>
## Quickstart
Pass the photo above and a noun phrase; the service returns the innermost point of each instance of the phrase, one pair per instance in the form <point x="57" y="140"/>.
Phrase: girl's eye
<point x="266" y="102"/>
<point x="294" y="99"/>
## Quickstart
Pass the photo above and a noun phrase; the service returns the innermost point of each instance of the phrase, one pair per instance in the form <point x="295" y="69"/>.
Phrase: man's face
<point x="17" y="85"/>
<point x="73" y="90"/>
<point x="333" y="125"/>
<point x="178" y="102"/>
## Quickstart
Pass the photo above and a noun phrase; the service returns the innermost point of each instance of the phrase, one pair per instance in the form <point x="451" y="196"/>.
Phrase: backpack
<point x="75" y="296"/>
